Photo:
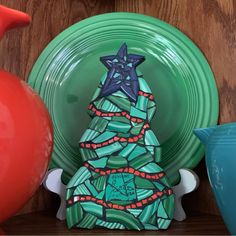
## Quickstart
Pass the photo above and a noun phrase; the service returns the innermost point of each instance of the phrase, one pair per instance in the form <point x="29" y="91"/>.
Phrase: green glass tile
<point x="95" y="175"/>
<point x="146" y="214"/>
<point x="141" y="142"/>
<point x="104" y="137"/>
<point x="120" y="187"/>
<point x="100" y="182"/>
<point x="107" y="118"/>
<point x="143" y="193"/>
<point x="90" y="113"/>
<point x="150" y="149"/>
<point x="151" y="113"/>
<point x="98" y="124"/>
<point x="121" y="119"/>
<point x="148" y="211"/>
<point x="136" y="129"/>
<point x="74" y="215"/>
<point x="139" y="74"/>
<point x="151" y="104"/>
<point x="136" y="152"/>
<point x="115" y="162"/>
<point x="122" y="103"/>
<point x="165" y="182"/>
<point x="142" y="103"/>
<point x="163" y="223"/>
<point x="109" y="225"/>
<point x="122" y="217"/>
<point x="168" y="205"/>
<point x="118" y="126"/>
<point x="100" y="163"/>
<point x="110" y="107"/>
<point x="151" y="168"/>
<point x="92" y="208"/>
<point x="144" y="86"/>
<point x="88" y="135"/>
<point x="100" y="195"/>
<point x="96" y="94"/>
<point x="127" y="150"/>
<point x="103" y="79"/>
<point x="157" y="154"/>
<point x="123" y="135"/>
<point x="87" y="154"/>
<point x="80" y="177"/>
<point x="153" y="219"/>
<point x="122" y="203"/>
<point x="108" y="150"/>
<point x="161" y="211"/>
<point x="98" y="103"/>
<point x="69" y="193"/>
<point x="143" y="183"/>
<point x="138" y="113"/>
<point x="141" y="160"/>
<point x="150" y="227"/>
<point x="159" y="185"/>
<point x="124" y="144"/>
<point x="150" y="138"/>
<point x="120" y="94"/>
<point x="135" y="212"/>
<point x="88" y="221"/>
<point x="91" y="188"/>
<point x="81" y="189"/>
<point x="107" y="106"/>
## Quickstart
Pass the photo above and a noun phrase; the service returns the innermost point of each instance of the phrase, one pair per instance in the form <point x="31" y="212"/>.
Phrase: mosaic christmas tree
<point x="120" y="185"/>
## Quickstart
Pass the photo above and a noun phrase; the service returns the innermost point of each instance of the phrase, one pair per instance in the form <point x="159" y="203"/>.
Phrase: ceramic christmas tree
<point x="120" y="186"/>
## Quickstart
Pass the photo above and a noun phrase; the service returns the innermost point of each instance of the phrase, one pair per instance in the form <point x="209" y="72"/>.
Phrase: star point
<point x="122" y="74"/>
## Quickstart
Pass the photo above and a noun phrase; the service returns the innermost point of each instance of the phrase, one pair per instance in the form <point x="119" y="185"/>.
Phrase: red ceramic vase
<point x="26" y="135"/>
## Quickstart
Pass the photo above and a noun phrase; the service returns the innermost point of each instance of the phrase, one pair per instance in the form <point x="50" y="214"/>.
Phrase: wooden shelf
<point x="45" y="223"/>
<point x="207" y="23"/>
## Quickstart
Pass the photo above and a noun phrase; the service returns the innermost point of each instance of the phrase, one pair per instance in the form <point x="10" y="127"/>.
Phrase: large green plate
<point x="68" y="72"/>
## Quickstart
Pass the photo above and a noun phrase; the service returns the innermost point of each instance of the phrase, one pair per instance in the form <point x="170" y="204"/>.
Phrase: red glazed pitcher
<point x="26" y="135"/>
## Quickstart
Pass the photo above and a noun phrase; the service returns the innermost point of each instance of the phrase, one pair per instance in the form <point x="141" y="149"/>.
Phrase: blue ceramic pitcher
<point x="220" y="148"/>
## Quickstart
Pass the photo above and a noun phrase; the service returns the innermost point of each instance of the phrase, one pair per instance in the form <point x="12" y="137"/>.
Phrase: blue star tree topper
<point x="122" y="75"/>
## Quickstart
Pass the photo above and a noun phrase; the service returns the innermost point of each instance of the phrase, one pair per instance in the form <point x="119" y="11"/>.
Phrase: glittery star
<point x="122" y="74"/>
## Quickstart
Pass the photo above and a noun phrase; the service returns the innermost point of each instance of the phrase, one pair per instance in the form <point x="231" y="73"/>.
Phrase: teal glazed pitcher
<point x="220" y="149"/>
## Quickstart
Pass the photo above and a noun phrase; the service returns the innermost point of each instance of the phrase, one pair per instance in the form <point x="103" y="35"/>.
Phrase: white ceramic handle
<point x="53" y="183"/>
<point x="188" y="183"/>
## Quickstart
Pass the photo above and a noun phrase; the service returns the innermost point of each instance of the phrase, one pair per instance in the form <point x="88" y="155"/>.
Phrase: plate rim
<point x="202" y="60"/>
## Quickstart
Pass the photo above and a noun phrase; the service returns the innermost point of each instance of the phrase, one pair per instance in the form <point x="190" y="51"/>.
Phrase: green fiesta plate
<point x="68" y="72"/>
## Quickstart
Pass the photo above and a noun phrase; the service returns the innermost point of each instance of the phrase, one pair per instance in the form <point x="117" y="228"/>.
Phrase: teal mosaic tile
<point x="121" y="187"/>
<point x="138" y="113"/>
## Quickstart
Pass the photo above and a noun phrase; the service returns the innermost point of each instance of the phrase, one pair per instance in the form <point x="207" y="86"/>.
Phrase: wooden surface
<point x="44" y="223"/>
<point x="22" y="47"/>
<point x="211" y="24"/>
